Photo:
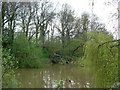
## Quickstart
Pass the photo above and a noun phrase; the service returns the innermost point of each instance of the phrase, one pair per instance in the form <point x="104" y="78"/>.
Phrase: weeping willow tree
<point x="101" y="54"/>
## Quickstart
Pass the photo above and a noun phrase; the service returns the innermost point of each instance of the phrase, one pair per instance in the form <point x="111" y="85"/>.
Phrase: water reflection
<point x="71" y="76"/>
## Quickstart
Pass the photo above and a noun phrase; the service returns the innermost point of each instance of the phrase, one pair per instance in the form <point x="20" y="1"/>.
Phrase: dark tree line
<point x="43" y="23"/>
<point x="36" y="19"/>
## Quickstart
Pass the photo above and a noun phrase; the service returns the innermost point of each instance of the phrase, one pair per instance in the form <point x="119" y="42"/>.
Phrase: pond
<point x="71" y="76"/>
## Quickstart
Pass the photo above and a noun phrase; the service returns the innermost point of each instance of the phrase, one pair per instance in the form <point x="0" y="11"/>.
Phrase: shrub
<point x="28" y="53"/>
<point x="8" y="75"/>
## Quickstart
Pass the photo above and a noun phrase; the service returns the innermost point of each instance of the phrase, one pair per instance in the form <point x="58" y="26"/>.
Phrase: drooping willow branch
<point x="110" y="42"/>
<point x="110" y="47"/>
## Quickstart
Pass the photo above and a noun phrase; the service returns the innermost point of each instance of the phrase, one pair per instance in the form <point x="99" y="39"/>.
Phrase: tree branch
<point x="108" y="42"/>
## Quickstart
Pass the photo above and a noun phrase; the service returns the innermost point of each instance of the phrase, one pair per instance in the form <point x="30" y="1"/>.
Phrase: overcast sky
<point x="102" y="9"/>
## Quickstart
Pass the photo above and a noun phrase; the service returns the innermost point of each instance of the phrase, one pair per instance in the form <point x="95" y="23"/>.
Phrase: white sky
<point x="103" y="11"/>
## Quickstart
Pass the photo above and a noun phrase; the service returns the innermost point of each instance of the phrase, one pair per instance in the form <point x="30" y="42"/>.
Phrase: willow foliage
<point x="102" y="57"/>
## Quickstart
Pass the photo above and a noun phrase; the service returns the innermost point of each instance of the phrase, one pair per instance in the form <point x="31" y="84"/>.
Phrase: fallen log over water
<point x="56" y="58"/>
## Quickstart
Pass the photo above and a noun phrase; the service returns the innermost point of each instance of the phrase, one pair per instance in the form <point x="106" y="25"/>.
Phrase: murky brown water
<point x="72" y="77"/>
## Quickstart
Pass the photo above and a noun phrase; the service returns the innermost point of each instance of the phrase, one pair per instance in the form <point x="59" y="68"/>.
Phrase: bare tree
<point x="26" y="13"/>
<point x="66" y="17"/>
<point x="8" y="22"/>
<point x="78" y="27"/>
<point x="85" y="22"/>
<point x="44" y="14"/>
<point x="96" y="25"/>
